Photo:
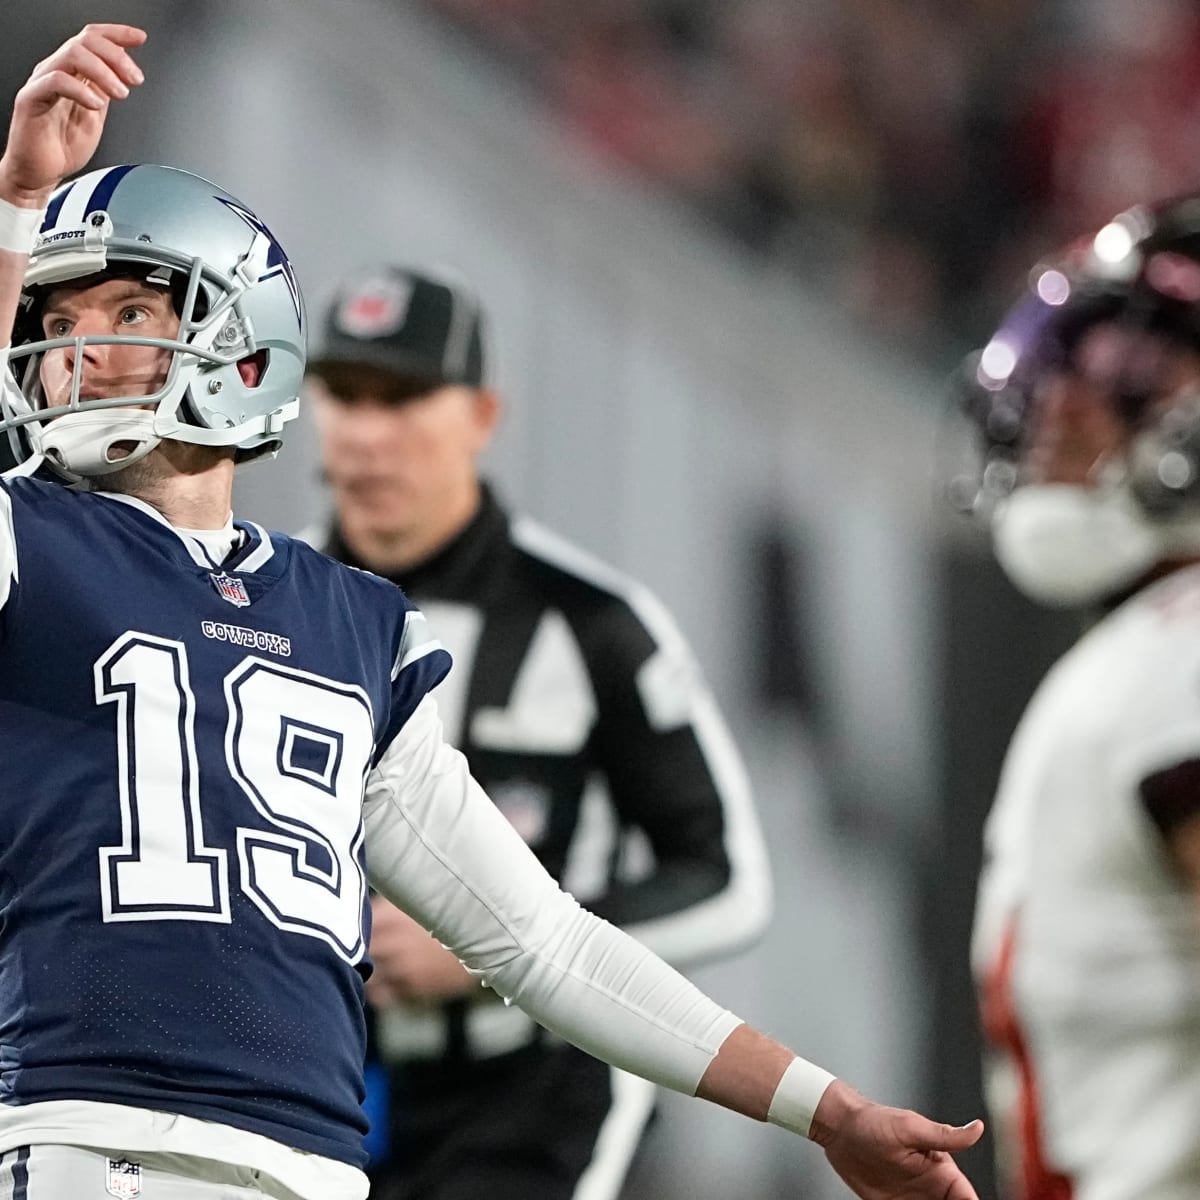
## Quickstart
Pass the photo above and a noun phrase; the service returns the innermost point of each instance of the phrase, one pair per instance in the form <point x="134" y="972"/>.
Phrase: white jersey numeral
<point x="305" y="777"/>
<point x="162" y="870"/>
<point x="298" y="746"/>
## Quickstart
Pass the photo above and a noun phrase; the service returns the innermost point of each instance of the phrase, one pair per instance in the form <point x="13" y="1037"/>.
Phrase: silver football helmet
<point x="236" y="296"/>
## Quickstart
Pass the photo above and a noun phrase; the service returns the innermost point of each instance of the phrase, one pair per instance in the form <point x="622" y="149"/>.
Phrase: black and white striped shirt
<point x="582" y="711"/>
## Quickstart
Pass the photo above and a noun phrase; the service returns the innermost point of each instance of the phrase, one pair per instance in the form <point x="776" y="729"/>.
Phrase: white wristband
<point x="796" y="1098"/>
<point x="19" y="226"/>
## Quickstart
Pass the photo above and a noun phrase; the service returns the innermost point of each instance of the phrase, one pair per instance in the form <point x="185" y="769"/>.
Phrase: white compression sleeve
<point x="439" y="849"/>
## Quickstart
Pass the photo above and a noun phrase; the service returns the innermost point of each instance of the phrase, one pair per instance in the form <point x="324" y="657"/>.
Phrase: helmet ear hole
<point x="253" y="367"/>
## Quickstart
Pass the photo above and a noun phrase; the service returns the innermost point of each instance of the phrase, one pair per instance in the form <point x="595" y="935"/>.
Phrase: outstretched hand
<point x="59" y="115"/>
<point x="891" y="1153"/>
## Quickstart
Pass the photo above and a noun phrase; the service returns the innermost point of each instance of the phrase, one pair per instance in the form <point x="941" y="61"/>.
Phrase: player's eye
<point x="58" y="327"/>
<point x="133" y="315"/>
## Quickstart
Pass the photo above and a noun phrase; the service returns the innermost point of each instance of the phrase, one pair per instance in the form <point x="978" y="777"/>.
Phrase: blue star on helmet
<point x="277" y="261"/>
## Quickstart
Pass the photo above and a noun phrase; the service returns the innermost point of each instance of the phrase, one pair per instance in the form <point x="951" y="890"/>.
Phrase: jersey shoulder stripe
<point x="569" y="561"/>
<point x="552" y="550"/>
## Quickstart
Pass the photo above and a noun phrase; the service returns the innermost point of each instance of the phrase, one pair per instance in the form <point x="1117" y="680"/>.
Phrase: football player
<point x="212" y="734"/>
<point x="1087" y="938"/>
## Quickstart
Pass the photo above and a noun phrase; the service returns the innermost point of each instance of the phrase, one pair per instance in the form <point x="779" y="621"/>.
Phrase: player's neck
<point x="191" y="486"/>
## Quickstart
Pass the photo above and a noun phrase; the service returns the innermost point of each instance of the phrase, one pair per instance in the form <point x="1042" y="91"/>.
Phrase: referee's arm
<point x="674" y="773"/>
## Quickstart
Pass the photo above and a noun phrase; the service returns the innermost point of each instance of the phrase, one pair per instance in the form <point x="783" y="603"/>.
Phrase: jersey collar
<point x="253" y="551"/>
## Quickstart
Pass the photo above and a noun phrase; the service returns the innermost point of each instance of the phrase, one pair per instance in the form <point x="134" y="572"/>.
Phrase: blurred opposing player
<point x="581" y="711"/>
<point x="1087" y="938"/>
<point x="210" y="734"/>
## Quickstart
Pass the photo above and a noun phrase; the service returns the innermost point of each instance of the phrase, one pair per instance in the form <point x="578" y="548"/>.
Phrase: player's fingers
<point x="92" y="69"/>
<point x="62" y="85"/>
<point x="94" y="57"/>
<point x="123" y="35"/>
<point x="115" y="55"/>
<point x="923" y="1134"/>
<point x="961" y="1189"/>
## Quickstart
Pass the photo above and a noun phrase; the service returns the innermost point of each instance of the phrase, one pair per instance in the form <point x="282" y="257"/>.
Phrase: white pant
<point x="53" y="1172"/>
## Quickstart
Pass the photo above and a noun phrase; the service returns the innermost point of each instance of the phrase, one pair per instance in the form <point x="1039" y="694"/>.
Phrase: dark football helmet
<point x="1118" y="313"/>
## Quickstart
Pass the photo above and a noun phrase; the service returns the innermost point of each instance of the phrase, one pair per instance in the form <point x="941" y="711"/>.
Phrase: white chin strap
<point x="1066" y="545"/>
<point x="83" y="445"/>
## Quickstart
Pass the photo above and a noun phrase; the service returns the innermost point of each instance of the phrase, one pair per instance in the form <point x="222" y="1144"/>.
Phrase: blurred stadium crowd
<point x="907" y="157"/>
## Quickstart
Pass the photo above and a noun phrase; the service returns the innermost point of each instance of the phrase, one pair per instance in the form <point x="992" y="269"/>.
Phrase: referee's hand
<point x="411" y="965"/>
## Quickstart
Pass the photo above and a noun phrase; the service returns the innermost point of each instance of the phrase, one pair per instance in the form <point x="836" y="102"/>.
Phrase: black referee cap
<point x="418" y="327"/>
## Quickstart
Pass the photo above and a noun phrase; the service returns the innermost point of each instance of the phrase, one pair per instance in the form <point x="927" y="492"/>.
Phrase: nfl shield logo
<point x="231" y="589"/>
<point x="374" y="308"/>
<point x="124" y="1178"/>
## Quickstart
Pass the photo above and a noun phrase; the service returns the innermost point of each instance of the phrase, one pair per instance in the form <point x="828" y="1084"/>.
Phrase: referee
<point x="581" y="711"/>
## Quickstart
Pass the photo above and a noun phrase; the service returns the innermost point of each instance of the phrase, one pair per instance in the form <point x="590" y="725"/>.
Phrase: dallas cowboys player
<point x="1087" y="936"/>
<point x="211" y="733"/>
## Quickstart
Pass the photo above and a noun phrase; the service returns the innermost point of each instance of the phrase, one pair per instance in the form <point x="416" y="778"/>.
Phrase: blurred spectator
<point x="904" y="155"/>
<point x="1115" y="122"/>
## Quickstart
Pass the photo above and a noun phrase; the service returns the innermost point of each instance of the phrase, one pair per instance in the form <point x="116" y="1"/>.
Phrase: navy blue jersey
<point x="183" y="914"/>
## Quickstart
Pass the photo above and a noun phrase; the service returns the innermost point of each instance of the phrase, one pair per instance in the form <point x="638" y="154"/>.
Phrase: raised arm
<point x="57" y="120"/>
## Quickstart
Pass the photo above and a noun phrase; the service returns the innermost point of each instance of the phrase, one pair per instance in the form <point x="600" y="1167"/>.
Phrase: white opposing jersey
<point x="1087" y="941"/>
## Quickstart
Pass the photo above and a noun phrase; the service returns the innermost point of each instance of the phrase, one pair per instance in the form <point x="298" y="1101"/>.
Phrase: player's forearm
<point x="757" y="1076"/>
<point x="745" y="1073"/>
<point x="21" y="211"/>
<point x="22" y="206"/>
